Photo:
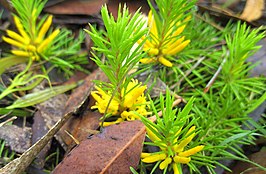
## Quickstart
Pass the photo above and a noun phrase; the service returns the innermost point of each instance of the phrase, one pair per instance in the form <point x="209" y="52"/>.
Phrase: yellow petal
<point x="48" y="40"/>
<point x="153" y="137"/>
<point x="179" y="30"/>
<point x="119" y="120"/>
<point x="21" y="53"/>
<point x="165" y="163"/>
<point x="154" y="157"/>
<point x="183" y="160"/>
<point x="16" y="36"/>
<point x="179" y="48"/>
<point x="31" y="48"/>
<point x="165" y="62"/>
<point x="172" y="45"/>
<point x="133" y="95"/>
<point x="153" y="28"/>
<point x="96" y="96"/>
<point x="151" y="51"/>
<point x="191" y="151"/>
<point x="35" y="58"/>
<point x="149" y="44"/>
<point x="21" y="29"/>
<point x="13" y="42"/>
<point x="187" y="18"/>
<point x="175" y="140"/>
<point x="46" y="25"/>
<point x="144" y="155"/>
<point x="175" y="168"/>
<point x="150" y="17"/>
<point x="187" y="140"/>
<point x="147" y="60"/>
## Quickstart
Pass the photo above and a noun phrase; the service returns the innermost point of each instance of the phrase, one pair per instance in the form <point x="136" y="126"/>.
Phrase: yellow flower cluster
<point x="33" y="44"/>
<point x="159" y="49"/>
<point x="131" y="100"/>
<point x="180" y="155"/>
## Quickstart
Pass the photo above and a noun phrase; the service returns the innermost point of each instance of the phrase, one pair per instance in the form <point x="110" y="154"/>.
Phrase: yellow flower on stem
<point x="159" y="48"/>
<point x="166" y="158"/>
<point x="32" y="44"/>
<point x="130" y="102"/>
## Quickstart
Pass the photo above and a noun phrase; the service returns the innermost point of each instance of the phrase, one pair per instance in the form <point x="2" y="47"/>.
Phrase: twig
<point x="8" y="120"/>
<point x="214" y="76"/>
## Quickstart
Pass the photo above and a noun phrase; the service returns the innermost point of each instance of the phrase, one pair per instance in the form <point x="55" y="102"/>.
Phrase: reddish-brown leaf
<point x="131" y="4"/>
<point x="84" y="121"/>
<point x="84" y="7"/>
<point x="253" y="10"/>
<point x="113" y="151"/>
<point x="80" y="127"/>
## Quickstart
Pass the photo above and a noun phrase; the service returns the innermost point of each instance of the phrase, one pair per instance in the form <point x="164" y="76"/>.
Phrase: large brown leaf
<point x="84" y="7"/>
<point x="253" y="10"/>
<point x="113" y="151"/>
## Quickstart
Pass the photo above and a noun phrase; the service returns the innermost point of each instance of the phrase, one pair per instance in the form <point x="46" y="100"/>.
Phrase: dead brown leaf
<point x="78" y="7"/>
<point x="80" y="127"/>
<point x="75" y="102"/>
<point x="18" y="138"/>
<point x="113" y="151"/>
<point x="131" y="4"/>
<point x="253" y="10"/>
<point x="84" y="121"/>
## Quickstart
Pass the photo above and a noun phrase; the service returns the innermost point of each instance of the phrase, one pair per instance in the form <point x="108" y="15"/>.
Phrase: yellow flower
<point x="180" y="155"/>
<point x="27" y="44"/>
<point x="159" y="49"/>
<point x="102" y="100"/>
<point x="130" y="102"/>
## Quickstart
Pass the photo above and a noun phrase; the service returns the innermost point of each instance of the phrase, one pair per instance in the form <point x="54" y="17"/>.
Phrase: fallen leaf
<point x="133" y="6"/>
<point x="253" y="10"/>
<point x="73" y="105"/>
<point x="78" y="7"/>
<point x="85" y="121"/>
<point x="18" y="138"/>
<point x="39" y="129"/>
<point x="80" y="127"/>
<point x="247" y="168"/>
<point x="115" y="149"/>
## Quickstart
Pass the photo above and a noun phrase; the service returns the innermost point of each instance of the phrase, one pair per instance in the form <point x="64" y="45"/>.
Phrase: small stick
<point x="8" y="120"/>
<point x="214" y="77"/>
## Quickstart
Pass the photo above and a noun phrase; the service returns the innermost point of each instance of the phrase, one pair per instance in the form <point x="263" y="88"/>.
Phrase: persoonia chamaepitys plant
<point x="41" y="46"/>
<point x="123" y="96"/>
<point x="212" y="76"/>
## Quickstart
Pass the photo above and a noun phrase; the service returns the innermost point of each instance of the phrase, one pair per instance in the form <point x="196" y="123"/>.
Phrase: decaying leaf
<point x="77" y="7"/>
<point x="80" y="127"/>
<point x="18" y="138"/>
<point x="84" y="121"/>
<point x="253" y="10"/>
<point x="115" y="149"/>
<point x="39" y="129"/>
<point x="75" y="101"/>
